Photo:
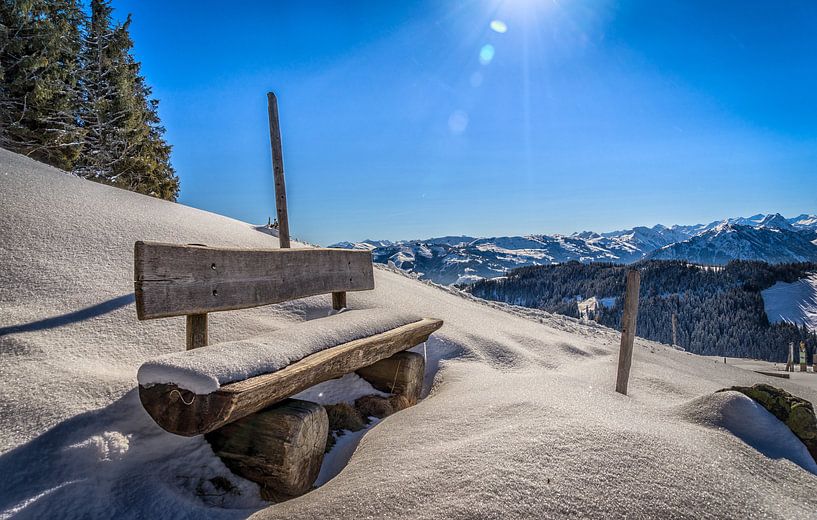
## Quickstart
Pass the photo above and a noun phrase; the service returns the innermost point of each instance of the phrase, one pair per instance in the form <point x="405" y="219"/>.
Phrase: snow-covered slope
<point x="804" y="222"/>
<point x="794" y="302"/>
<point x="725" y="242"/>
<point x="521" y="421"/>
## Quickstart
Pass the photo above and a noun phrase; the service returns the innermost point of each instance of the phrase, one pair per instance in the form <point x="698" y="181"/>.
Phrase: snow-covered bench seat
<point x="201" y="389"/>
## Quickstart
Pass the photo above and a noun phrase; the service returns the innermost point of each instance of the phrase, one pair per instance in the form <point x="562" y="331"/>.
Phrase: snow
<point x="336" y="460"/>
<point x="520" y="419"/>
<point x="204" y="370"/>
<point x="794" y="302"/>
<point x="342" y="390"/>
<point x="804" y="221"/>
<point x="467" y="279"/>
<point x="729" y="241"/>
<point x="593" y="303"/>
<point x="752" y="423"/>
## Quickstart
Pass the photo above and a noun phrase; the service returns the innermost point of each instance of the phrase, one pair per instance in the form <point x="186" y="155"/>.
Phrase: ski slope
<point x="794" y="302"/>
<point x="520" y="418"/>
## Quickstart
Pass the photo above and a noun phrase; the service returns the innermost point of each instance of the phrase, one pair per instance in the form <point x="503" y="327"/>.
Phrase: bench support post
<point x="338" y="300"/>
<point x="196" y="331"/>
<point x="400" y="374"/>
<point x="281" y="447"/>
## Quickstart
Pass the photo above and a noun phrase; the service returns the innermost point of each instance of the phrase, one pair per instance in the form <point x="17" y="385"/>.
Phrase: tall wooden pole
<point x="628" y="321"/>
<point x="278" y="170"/>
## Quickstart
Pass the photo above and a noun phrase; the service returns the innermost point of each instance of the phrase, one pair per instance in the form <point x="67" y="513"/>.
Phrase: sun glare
<point x="499" y="26"/>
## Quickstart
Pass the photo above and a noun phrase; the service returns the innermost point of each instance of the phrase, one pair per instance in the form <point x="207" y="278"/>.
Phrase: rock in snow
<point x="520" y="418"/>
<point x="795" y="412"/>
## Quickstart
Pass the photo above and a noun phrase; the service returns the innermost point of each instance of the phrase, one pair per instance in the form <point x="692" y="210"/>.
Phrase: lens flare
<point x="486" y="54"/>
<point x="499" y="26"/>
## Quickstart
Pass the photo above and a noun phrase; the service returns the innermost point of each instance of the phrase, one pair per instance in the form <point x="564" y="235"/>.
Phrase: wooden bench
<point x="194" y="280"/>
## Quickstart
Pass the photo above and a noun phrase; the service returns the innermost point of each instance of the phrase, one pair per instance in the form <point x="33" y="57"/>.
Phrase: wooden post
<point x="196" y="331"/>
<point x="674" y="329"/>
<point x="281" y="447"/>
<point x="338" y="300"/>
<point x="790" y="361"/>
<point x="278" y="170"/>
<point x="628" y="321"/>
<point x="400" y="374"/>
<point x="803" y="367"/>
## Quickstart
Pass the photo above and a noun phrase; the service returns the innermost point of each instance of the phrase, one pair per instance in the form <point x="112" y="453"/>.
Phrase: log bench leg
<point x="281" y="447"/>
<point x="400" y="374"/>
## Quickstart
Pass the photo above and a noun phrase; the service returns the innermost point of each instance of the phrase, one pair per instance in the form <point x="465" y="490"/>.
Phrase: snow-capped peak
<point x="776" y="220"/>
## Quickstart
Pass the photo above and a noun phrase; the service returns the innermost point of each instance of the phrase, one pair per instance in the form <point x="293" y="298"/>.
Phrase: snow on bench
<point x="205" y="370"/>
<point x="198" y="391"/>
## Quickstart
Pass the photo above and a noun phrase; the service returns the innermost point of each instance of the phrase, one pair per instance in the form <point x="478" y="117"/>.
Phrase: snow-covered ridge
<point x="462" y="259"/>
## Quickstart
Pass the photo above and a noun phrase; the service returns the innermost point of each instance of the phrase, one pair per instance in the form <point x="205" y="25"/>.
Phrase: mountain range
<point x="770" y="238"/>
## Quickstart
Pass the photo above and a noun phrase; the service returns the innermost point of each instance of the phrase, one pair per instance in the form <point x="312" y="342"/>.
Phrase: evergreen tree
<point x="124" y="143"/>
<point x="71" y="95"/>
<point x="40" y="42"/>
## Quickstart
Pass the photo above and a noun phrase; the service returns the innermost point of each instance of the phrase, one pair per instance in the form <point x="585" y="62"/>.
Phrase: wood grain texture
<point x="280" y="447"/>
<point x="196" y="331"/>
<point x="401" y="373"/>
<point x="174" y="280"/>
<point x="166" y="403"/>
<point x="278" y="170"/>
<point x="339" y="300"/>
<point x="628" y="321"/>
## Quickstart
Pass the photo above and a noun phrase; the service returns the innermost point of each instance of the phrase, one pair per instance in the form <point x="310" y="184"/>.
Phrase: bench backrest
<point x="176" y="280"/>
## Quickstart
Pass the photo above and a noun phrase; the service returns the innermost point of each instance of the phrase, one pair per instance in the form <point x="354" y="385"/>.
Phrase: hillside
<point x="521" y="419"/>
<point x="720" y="311"/>
<point x="793" y="302"/>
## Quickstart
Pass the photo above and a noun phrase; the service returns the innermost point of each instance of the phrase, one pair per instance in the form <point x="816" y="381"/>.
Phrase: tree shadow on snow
<point x="72" y="317"/>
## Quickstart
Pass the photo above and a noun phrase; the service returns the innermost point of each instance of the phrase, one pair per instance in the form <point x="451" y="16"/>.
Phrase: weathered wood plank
<point x="339" y="300"/>
<point x="281" y="447"/>
<point x="278" y="170"/>
<point x="196" y="331"/>
<point x="401" y="374"/>
<point x="174" y="280"/>
<point x="628" y="321"/>
<point x="168" y="404"/>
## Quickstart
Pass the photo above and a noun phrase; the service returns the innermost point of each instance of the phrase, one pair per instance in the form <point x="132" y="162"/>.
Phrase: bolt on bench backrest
<point x="177" y="280"/>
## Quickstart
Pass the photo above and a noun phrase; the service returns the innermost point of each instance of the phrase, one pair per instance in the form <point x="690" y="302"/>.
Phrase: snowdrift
<point x="521" y="419"/>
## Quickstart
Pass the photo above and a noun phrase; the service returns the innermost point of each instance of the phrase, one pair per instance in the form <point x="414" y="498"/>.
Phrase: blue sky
<point x="418" y="119"/>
